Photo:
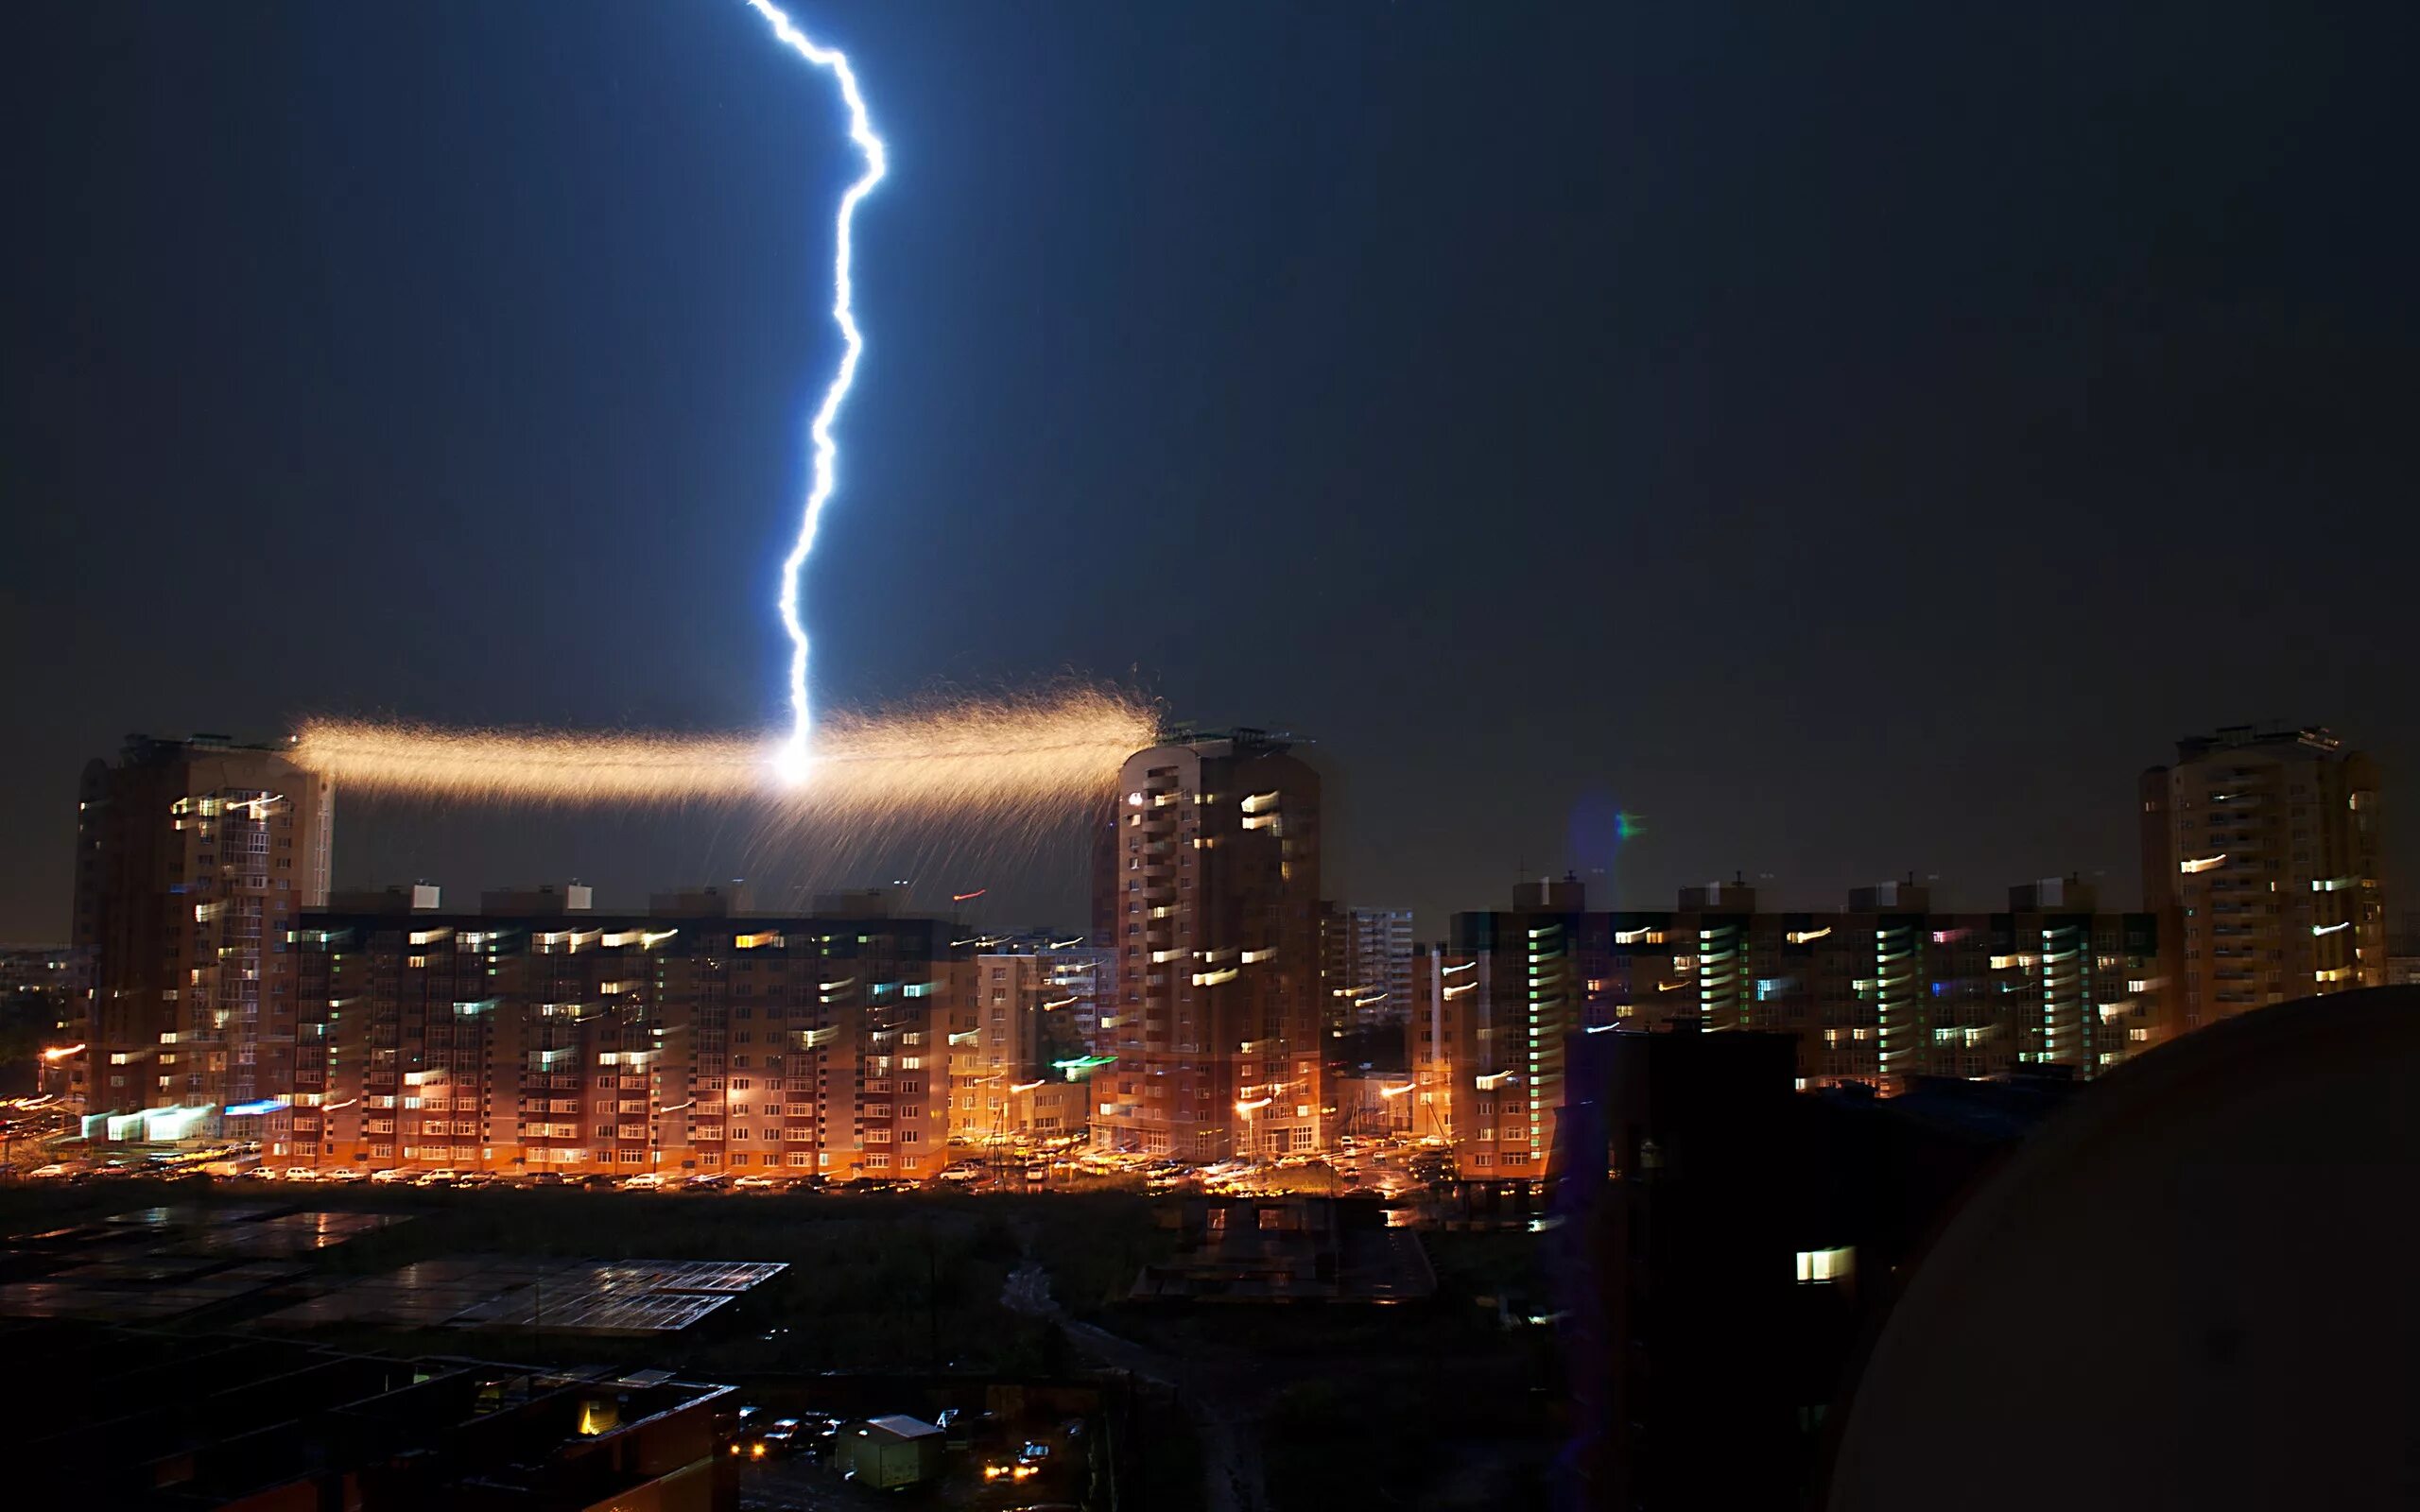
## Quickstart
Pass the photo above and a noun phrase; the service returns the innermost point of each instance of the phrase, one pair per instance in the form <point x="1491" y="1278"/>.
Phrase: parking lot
<point x="1388" y="1169"/>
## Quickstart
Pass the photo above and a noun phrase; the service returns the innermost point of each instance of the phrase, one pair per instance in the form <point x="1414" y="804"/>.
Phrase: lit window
<point x="1825" y="1266"/>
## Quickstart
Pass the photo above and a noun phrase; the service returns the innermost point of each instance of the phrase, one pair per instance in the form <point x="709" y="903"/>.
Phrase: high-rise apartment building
<point x="1880" y="994"/>
<point x="2263" y="843"/>
<point x="1365" y="967"/>
<point x="1213" y="899"/>
<point x="689" y="1042"/>
<point x="193" y="861"/>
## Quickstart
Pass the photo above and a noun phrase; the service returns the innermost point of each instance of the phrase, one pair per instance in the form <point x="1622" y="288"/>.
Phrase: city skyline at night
<point x="1914" y="575"/>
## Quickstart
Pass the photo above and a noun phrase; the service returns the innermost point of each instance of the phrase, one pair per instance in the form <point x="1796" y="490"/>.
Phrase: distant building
<point x="193" y="861"/>
<point x="2263" y="843"/>
<point x="1371" y="1105"/>
<point x="576" y="1041"/>
<point x="1214" y="900"/>
<point x="45" y="993"/>
<point x="1880" y="994"/>
<point x="1365" y="967"/>
<point x="2403" y="949"/>
<point x="1035" y="1004"/>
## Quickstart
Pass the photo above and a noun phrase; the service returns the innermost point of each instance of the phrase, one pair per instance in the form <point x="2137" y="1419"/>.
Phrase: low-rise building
<point x="143" y="1420"/>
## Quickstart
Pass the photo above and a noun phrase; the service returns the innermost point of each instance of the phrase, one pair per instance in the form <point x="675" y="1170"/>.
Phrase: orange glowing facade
<point x="1212" y="901"/>
<point x="606" y="1043"/>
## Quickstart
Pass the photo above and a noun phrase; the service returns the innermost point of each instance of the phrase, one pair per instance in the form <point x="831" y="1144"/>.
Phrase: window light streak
<point x="2195" y="864"/>
<point x="793" y="757"/>
<point x="2330" y="929"/>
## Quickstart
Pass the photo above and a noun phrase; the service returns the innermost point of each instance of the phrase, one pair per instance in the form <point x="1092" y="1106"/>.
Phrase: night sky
<point x="1851" y="444"/>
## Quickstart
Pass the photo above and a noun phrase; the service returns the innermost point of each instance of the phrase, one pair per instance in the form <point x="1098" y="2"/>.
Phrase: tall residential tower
<point x="1212" y="904"/>
<point x="2263" y="842"/>
<point x="194" y="860"/>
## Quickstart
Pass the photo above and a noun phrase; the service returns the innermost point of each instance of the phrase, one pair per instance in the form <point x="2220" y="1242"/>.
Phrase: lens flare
<point x="791" y="759"/>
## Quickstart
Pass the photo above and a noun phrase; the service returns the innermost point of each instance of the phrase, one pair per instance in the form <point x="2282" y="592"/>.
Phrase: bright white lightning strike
<point x="793" y="757"/>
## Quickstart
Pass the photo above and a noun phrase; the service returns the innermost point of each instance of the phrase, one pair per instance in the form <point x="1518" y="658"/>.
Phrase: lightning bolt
<point x="792" y="760"/>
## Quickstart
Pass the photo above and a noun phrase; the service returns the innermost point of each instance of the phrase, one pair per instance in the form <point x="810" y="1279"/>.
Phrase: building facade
<point x="1365" y="967"/>
<point x="1214" y="902"/>
<point x="1036" y="1011"/>
<point x="45" y="996"/>
<point x="194" y="862"/>
<point x="1886" y="991"/>
<point x="684" y="1044"/>
<point x="2263" y="844"/>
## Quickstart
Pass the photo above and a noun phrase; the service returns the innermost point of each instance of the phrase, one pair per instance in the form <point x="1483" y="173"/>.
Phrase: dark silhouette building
<point x="1725" y="1242"/>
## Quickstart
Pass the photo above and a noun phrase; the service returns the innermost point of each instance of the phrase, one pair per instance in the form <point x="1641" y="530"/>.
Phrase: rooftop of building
<point x="133" y="1418"/>
<point x="1238" y="739"/>
<point x="2272" y="736"/>
<point x="141" y="748"/>
<point x="1998" y="1111"/>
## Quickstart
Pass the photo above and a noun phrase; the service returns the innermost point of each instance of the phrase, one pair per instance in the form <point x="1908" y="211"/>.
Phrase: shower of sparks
<point x="1001" y="759"/>
<point x="1018" y="766"/>
<point x="792" y="757"/>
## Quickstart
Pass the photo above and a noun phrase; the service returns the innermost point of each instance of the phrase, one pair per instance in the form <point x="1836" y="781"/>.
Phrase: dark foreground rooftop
<point x="126" y="1418"/>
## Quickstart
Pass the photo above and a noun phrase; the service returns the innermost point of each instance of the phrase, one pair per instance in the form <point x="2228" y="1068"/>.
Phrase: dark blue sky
<point x="1853" y="445"/>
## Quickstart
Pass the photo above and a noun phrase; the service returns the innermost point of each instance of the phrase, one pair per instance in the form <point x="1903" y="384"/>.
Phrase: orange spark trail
<point x="1013" y="760"/>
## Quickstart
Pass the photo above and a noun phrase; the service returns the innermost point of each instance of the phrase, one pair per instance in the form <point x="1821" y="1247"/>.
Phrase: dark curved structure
<point x="2195" y="1287"/>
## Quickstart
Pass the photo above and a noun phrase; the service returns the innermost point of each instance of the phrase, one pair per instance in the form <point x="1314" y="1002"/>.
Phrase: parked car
<point x="643" y="1181"/>
<point x="392" y="1174"/>
<point x="444" y="1175"/>
<point x="962" y="1173"/>
<point x="478" y="1178"/>
<point x="757" y="1183"/>
<point x="787" y="1435"/>
<point x="301" y="1173"/>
